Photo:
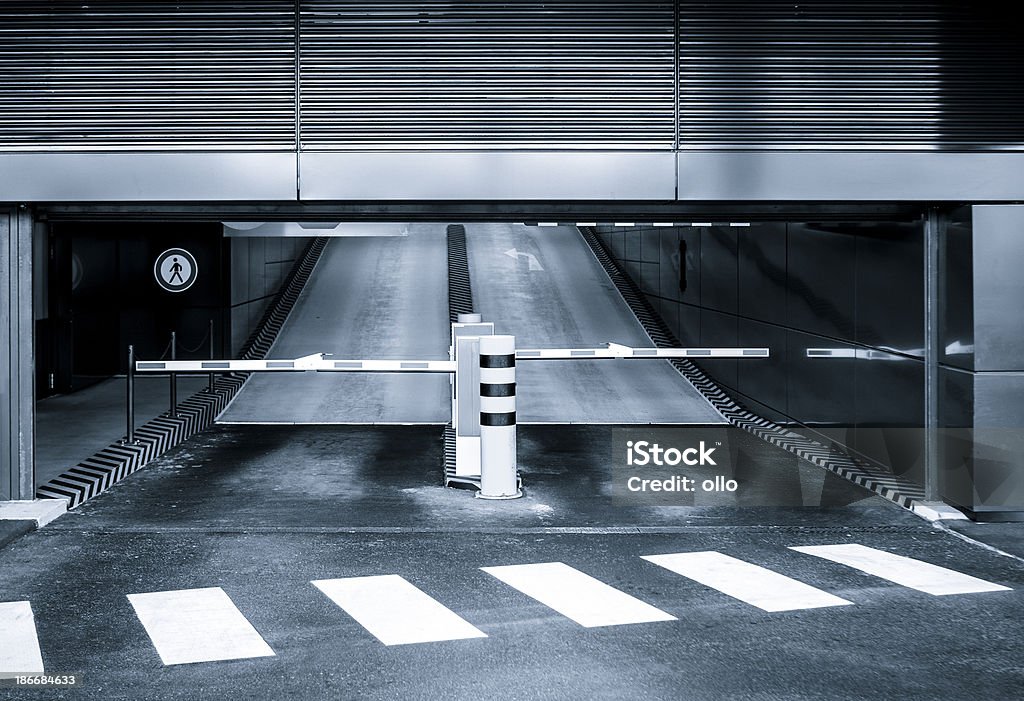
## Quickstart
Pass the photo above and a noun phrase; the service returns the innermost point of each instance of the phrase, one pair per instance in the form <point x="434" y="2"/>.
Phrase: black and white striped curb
<point x="460" y="301"/>
<point x="885" y="484"/>
<point x="112" y="464"/>
<point x="460" y="294"/>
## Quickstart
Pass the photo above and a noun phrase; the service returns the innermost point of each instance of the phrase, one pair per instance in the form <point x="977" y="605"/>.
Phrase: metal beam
<point x="463" y="211"/>
<point x="17" y="376"/>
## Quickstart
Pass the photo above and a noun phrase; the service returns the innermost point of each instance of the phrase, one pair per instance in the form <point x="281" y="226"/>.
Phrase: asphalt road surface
<point x="326" y="563"/>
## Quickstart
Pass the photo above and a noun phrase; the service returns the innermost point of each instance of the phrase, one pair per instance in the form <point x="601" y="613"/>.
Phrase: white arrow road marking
<point x="395" y="611"/>
<point x="576" y="595"/>
<point x="747" y="582"/>
<point x="532" y="259"/>
<point x="19" y="645"/>
<point x="906" y="571"/>
<point x="197" y="625"/>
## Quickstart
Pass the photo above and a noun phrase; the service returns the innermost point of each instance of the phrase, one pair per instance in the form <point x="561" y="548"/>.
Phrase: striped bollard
<point x="499" y="478"/>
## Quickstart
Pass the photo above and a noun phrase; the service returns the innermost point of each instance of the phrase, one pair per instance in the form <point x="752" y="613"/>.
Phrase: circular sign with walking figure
<point x="175" y="270"/>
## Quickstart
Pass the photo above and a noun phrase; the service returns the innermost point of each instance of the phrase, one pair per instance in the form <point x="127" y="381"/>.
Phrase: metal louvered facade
<point x="147" y="75"/>
<point x="487" y="74"/>
<point x="828" y="74"/>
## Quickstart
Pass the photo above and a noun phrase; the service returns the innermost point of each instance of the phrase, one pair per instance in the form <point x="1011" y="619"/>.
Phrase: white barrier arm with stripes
<point x="317" y="362"/>
<point x="320" y="362"/>
<point x="617" y="350"/>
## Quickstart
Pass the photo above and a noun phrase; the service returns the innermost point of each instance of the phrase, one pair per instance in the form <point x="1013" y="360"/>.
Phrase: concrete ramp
<point x="543" y="285"/>
<point x="386" y="297"/>
<point x="373" y="297"/>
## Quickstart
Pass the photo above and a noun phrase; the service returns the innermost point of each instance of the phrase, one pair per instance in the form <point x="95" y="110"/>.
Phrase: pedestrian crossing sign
<point x="175" y="270"/>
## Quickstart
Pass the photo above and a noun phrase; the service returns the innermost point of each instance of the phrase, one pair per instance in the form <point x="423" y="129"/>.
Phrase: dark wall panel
<point x="821" y="280"/>
<point x="820" y="390"/>
<point x="890" y="288"/>
<point x="851" y="290"/>
<point x="719" y="269"/>
<point x="720" y="330"/>
<point x="762" y="272"/>
<point x="104" y="296"/>
<point x="768" y="379"/>
<point x="670" y="252"/>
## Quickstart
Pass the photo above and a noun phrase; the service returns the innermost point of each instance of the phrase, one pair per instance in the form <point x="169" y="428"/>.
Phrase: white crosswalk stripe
<point x="204" y="625"/>
<point x="395" y="611"/>
<point x="19" y="644"/>
<point x="905" y="571"/>
<point x="576" y="595"/>
<point x="747" y="582"/>
<point x="197" y="625"/>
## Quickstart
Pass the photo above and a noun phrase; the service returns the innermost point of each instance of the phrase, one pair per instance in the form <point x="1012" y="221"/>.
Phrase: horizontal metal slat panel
<point x="487" y="74"/>
<point x="916" y="74"/>
<point x="112" y="75"/>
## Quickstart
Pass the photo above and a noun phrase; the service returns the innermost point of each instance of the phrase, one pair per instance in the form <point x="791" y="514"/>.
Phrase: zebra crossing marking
<point x="753" y="584"/>
<point x="576" y="595"/>
<point x="197" y="625"/>
<point x="204" y="625"/>
<point x="395" y="611"/>
<point x="905" y="571"/>
<point x="19" y="643"/>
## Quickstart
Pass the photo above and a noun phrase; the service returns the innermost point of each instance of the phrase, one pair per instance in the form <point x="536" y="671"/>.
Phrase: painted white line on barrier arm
<point x="19" y="644"/>
<point x="197" y="625"/>
<point x="576" y="595"/>
<point x="906" y="571"/>
<point x="396" y="612"/>
<point x="753" y="584"/>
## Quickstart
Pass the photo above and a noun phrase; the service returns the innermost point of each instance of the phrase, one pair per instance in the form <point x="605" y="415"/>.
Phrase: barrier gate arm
<point x="617" y="351"/>
<point x="318" y="362"/>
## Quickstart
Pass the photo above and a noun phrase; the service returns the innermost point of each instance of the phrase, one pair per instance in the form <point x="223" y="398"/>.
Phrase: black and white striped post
<point x="499" y="477"/>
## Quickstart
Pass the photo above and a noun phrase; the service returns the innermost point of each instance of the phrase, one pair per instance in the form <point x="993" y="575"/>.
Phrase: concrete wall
<point x="258" y="267"/>
<point x="854" y="290"/>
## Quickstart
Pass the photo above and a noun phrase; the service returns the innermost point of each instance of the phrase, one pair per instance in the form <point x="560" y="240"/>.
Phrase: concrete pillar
<point x="981" y="372"/>
<point x="17" y="376"/>
<point x="499" y="477"/>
